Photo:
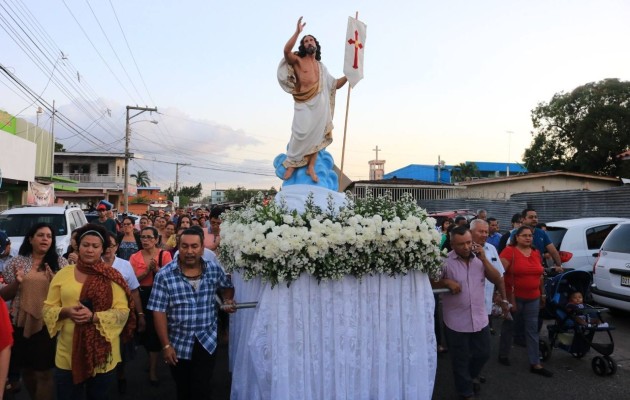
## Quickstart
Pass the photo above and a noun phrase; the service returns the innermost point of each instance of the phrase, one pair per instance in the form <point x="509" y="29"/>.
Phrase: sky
<point x="455" y="79"/>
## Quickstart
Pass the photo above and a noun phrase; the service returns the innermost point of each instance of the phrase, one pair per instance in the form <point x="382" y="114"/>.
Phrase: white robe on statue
<point x="312" y="126"/>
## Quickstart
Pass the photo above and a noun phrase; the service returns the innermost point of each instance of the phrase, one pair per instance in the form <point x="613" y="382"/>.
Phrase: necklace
<point x="193" y="280"/>
<point x="192" y="277"/>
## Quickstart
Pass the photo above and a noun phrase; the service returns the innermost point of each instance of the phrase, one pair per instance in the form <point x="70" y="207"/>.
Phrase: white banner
<point x="40" y="195"/>
<point x="355" y="45"/>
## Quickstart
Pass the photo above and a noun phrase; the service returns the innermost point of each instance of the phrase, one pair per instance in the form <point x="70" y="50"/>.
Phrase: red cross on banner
<point x="355" y="45"/>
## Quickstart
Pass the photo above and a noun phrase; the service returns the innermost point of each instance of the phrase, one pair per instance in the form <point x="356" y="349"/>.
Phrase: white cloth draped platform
<point x="348" y="339"/>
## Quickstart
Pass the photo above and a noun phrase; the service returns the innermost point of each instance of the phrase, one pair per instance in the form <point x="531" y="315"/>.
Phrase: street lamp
<point x="509" y="148"/>
<point x="127" y="155"/>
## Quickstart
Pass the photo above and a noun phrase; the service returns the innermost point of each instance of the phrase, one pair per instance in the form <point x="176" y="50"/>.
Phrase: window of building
<point x="102" y="169"/>
<point x="79" y="168"/>
<point x="58" y="169"/>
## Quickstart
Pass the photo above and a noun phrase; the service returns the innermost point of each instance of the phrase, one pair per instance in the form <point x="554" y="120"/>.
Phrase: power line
<point x="27" y="18"/>
<point x="95" y="49"/>
<point x="114" y="50"/>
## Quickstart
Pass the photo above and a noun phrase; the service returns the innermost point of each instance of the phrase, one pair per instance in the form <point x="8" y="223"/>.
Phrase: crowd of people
<point x="489" y="275"/>
<point x="73" y="321"/>
<point x="69" y="324"/>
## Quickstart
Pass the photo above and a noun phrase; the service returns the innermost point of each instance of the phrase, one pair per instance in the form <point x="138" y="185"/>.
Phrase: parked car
<point x="440" y="216"/>
<point x="611" y="271"/>
<point x="578" y="240"/>
<point x="17" y="221"/>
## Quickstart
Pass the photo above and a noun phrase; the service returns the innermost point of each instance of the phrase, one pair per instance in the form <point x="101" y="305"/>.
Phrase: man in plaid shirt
<point x="185" y="315"/>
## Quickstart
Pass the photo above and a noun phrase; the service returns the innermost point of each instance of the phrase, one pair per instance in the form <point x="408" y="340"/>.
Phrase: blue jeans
<point x="96" y="388"/>
<point x="469" y="352"/>
<point x="527" y="310"/>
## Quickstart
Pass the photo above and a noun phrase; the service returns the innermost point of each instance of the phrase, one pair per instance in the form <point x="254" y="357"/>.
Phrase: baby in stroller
<point x="577" y="311"/>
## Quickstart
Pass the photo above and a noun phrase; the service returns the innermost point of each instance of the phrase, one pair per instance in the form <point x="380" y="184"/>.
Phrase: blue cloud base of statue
<point x="323" y="168"/>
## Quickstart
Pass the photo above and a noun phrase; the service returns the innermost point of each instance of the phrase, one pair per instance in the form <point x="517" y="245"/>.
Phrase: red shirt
<point x="6" y="330"/>
<point x="524" y="273"/>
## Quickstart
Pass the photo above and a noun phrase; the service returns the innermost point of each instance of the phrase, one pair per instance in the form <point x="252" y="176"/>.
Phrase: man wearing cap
<point x="103" y="220"/>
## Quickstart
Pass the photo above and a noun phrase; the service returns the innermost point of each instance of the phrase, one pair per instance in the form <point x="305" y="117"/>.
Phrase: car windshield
<point x="19" y="224"/>
<point x="556" y="234"/>
<point x="619" y="240"/>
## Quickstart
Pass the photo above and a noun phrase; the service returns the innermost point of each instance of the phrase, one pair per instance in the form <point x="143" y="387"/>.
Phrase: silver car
<point x="611" y="271"/>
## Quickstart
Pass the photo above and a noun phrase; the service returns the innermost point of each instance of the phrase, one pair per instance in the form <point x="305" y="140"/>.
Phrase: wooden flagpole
<point x="345" y="125"/>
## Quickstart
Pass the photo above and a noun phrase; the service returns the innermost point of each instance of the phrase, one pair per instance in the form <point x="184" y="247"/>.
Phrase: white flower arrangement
<point x="364" y="237"/>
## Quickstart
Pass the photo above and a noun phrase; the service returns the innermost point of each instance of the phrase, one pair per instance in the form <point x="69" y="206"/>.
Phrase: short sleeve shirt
<point x="465" y="311"/>
<point x="190" y="314"/>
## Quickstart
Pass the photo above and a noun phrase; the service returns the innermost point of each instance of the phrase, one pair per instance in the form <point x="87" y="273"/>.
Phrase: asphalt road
<point x="573" y="378"/>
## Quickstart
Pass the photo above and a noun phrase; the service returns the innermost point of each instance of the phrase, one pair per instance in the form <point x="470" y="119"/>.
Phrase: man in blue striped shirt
<point x="185" y="315"/>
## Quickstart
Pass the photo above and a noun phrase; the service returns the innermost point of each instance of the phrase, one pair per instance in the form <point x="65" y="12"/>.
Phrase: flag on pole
<point x="355" y="45"/>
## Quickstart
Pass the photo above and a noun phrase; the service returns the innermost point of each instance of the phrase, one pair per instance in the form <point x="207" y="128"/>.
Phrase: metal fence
<point x="551" y="206"/>
<point x="417" y="192"/>
<point x="554" y="206"/>
<point x="502" y="210"/>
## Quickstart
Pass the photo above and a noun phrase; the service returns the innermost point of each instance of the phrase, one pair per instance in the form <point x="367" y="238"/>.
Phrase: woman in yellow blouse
<point x="88" y="309"/>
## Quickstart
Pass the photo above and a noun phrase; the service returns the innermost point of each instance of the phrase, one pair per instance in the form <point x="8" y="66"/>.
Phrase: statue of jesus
<point x="314" y="94"/>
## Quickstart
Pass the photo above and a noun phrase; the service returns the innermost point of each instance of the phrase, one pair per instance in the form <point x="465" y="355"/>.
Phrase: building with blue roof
<point x="432" y="173"/>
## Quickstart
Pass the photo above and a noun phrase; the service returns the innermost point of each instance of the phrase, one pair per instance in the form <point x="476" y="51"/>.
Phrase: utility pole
<point x="127" y="155"/>
<point x="177" y="165"/>
<point x="176" y="193"/>
<point x="52" y="134"/>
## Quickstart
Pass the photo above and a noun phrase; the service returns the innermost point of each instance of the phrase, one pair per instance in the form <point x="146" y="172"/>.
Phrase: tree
<point x="191" y="191"/>
<point x="142" y="178"/>
<point x="464" y="172"/>
<point x="582" y="131"/>
<point x="185" y="193"/>
<point x="59" y="148"/>
<point x="240" y="194"/>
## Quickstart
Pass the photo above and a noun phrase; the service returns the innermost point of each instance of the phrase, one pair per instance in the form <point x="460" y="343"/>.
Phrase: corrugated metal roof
<point x="421" y="172"/>
<point x="484" y="166"/>
<point x="537" y="175"/>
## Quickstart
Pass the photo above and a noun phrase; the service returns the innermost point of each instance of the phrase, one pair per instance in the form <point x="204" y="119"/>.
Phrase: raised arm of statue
<point x="288" y="48"/>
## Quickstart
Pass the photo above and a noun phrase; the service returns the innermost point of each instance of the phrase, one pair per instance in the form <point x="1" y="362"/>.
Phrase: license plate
<point x="625" y="281"/>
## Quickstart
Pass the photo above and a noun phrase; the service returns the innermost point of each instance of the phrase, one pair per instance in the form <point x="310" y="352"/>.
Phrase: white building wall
<point x="17" y="157"/>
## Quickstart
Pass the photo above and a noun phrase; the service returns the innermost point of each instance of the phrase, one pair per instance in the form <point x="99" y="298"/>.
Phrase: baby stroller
<point x="568" y="332"/>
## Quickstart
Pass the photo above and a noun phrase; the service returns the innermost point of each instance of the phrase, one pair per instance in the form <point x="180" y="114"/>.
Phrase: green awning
<point x="65" y="184"/>
<point x="66" y="188"/>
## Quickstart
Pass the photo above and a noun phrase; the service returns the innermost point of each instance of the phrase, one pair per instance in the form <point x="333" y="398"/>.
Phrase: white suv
<point x="17" y="221"/>
<point x="582" y="238"/>
<point x="611" y="272"/>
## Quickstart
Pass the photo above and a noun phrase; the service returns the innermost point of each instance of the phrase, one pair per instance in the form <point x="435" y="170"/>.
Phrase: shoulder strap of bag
<point x="160" y="258"/>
